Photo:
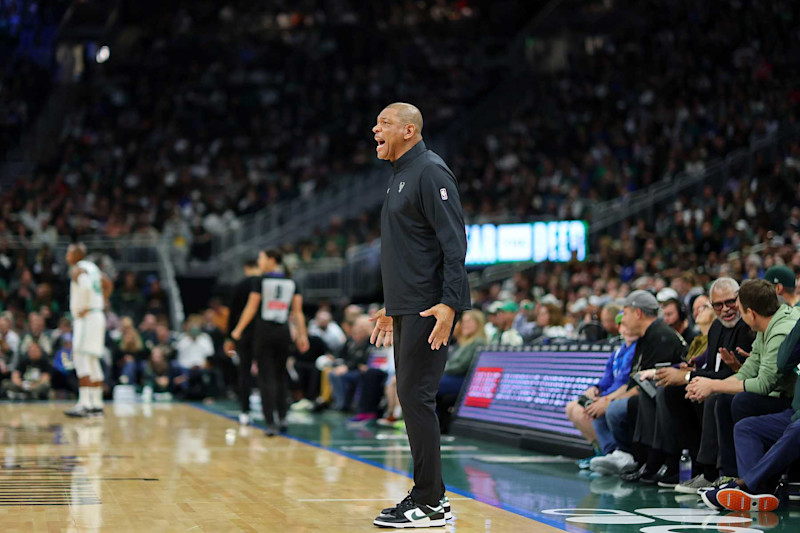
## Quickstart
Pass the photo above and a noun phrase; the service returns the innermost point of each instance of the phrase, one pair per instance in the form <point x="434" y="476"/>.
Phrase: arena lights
<point x="103" y="54"/>
<point x="556" y="241"/>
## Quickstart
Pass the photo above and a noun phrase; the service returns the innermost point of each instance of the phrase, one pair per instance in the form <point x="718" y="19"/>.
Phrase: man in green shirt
<point x="766" y="446"/>
<point x="758" y="388"/>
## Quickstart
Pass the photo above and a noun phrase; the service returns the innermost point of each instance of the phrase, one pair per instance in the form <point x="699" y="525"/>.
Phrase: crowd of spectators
<point x="26" y="26"/>
<point x="218" y="111"/>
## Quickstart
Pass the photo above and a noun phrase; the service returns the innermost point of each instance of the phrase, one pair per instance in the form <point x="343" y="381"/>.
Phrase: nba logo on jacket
<point x="443" y="193"/>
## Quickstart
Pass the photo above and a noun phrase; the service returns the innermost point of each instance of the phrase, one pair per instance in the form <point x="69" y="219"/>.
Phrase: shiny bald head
<point x="408" y="114"/>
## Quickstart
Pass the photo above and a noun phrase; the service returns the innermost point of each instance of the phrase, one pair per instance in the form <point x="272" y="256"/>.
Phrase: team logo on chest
<point x="402" y="184"/>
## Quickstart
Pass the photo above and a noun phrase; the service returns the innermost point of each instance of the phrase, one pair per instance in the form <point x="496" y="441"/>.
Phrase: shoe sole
<point x="683" y="489"/>
<point x="410" y="525"/>
<point x="738" y="500"/>
<point x="667" y="485"/>
<point x="448" y="514"/>
<point x="605" y="470"/>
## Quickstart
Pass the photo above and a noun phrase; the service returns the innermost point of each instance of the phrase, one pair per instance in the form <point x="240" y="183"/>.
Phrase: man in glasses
<point x="695" y="424"/>
<point x="758" y="388"/>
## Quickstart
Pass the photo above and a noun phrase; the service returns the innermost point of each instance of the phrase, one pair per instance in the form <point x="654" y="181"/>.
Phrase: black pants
<point x="244" y="348"/>
<point x="271" y="348"/>
<point x="372" y="385"/>
<point x="733" y="408"/>
<point x="308" y="379"/>
<point x="419" y="370"/>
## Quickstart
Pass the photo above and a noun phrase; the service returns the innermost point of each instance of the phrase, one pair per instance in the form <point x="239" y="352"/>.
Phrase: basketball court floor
<point x="180" y="467"/>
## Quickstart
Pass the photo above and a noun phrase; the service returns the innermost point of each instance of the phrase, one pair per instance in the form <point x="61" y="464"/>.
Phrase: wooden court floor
<point x="154" y="468"/>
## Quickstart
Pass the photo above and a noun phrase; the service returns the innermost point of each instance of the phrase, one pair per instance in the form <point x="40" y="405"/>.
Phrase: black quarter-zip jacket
<point x="423" y="238"/>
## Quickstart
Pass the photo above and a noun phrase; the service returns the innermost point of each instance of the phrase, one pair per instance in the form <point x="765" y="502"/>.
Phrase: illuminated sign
<point x="530" y="389"/>
<point x="556" y="241"/>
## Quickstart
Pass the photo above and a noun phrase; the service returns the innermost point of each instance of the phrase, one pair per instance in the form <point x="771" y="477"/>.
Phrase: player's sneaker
<point x="617" y="462"/>
<point x="735" y="499"/>
<point x="96" y="412"/>
<point x="244" y="419"/>
<point x="444" y="502"/>
<point x="271" y="431"/>
<point x="691" y="486"/>
<point x="78" y="411"/>
<point x="410" y="514"/>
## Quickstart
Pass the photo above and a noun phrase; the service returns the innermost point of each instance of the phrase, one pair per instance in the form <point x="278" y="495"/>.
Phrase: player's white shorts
<point x="89" y="334"/>
<point x="88" y="340"/>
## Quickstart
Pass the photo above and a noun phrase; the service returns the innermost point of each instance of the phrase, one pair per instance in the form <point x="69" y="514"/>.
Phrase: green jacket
<point x="459" y="361"/>
<point x="760" y="371"/>
<point x="789" y="362"/>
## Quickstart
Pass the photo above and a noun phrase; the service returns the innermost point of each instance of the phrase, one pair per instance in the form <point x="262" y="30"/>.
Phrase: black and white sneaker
<point x="78" y="411"/>
<point x="410" y="514"/>
<point x="97" y="412"/>
<point x="444" y="502"/>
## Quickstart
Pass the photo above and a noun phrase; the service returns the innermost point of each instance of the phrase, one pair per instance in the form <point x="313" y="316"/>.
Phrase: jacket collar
<point x="407" y="158"/>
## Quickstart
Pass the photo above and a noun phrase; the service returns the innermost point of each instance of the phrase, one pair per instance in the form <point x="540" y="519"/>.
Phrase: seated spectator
<point x="348" y="373"/>
<point x="550" y="319"/>
<point x="610" y="320"/>
<point x="165" y="340"/>
<point x="129" y="353"/>
<point x="63" y="376"/>
<point x="785" y="282"/>
<point x="9" y="340"/>
<point x="695" y="424"/>
<point x="601" y="404"/>
<point x="147" y="329"/>
<point x="36" y="334"/>
<point x="525" y="322"/>
<point x="758" y="388"/>
<point x="470" y="336"/>
<point x="30" y="379"/>
<point x="766" y="446"/>
<point x="194" y="348"/>
<point x="675" y="316"/>
<point x="306" y="378"/>
<point x="505" y="334"/>
<point x="657" y="343"/>
<point x="158" y="373"/>
<point x="128" y="299"/>
<point x="324" y="327"/>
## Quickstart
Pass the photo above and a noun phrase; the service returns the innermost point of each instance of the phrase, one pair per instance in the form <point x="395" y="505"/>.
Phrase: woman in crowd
<point x="471" y="336"/>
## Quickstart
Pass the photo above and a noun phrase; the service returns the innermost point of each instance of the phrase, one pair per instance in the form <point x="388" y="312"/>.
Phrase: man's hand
<point x="592" y="392"/>
<point x="647" y="374"/>
<point x="340" y="370"/>
<point x="383" y="332"/>
<point x="236" y="334"/>
<point x="671" y="377"/>
<point x="444" y="324"/>
<point x="83" y="313"/>
<point x="229" y="348"/>
<point x="598" y="407"/>
<point x="700" y="389"/>
<point x="743" y="353"/>
<point x="302" y="344"/>
<point x="729" y="359"/>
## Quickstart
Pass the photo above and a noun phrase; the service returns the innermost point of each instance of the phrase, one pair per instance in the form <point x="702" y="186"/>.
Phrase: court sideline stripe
<point x="505" y="507"/>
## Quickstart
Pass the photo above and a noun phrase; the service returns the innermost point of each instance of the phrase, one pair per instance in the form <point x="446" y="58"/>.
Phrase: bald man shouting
<point x="423" y="247"/>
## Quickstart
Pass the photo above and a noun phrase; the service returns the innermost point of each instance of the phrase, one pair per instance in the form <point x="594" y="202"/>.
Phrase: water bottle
<point x="685" y="469"/>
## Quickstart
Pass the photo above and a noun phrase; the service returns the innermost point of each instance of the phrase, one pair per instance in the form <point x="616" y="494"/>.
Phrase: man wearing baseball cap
<point x="658" y="343"/>
<point x="785" y="283"/>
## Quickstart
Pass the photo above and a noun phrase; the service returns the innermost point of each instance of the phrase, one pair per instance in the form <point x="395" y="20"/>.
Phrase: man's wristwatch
<point x="688" y="376"/>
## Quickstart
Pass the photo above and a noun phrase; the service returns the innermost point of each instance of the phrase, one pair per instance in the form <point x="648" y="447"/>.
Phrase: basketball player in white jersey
<point x="279" y="301"/>
<point x="88" y="292"/>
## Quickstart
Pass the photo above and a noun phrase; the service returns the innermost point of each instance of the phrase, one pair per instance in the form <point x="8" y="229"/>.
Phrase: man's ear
<point x="411" y="130"/>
